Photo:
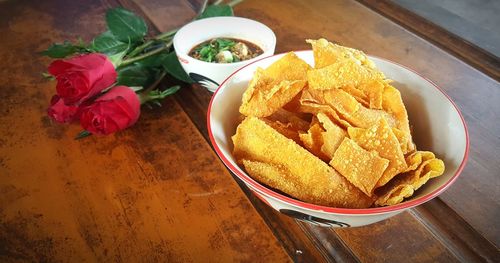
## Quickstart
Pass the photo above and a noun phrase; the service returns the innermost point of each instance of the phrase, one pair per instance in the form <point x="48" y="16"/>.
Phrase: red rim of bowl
<point x="347" y="211"/>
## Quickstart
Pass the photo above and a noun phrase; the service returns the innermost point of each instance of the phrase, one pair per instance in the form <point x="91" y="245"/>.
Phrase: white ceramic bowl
<point x="210" y="75"/>
<point x="437" y="123"/>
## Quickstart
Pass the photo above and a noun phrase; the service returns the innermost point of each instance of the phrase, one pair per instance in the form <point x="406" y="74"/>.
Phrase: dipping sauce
<point x="225" y="50"/>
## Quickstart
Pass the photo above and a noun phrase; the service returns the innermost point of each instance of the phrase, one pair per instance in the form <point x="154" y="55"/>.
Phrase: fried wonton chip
<point x="289" y="67"/>
<point x="393" y="104"/>
<point x="265" y="95"/>
<point x="343" y="106"/>
<point x="315" y="108"/>
<point x="373" y="90"/>
<point x="381" y="139"/>
<point x="314" y="180"/>
<point x="404" y="185"/>
<point x="402" y="139"/>
<point x="342" y="73"/>
<point x="326" y="53"/>
<point x="313" y="141"/>
<point x="296" y="120"/>
<point x="275" y="175"/>
<point x="294" y="104"/>
<point x="365" y="118"/>
<point x="332" y="136"/>
<point x="415" y="159"/>
<point x="336" y="99"/>
<point x="358" y="94"/>
<point x="326" y="122"/>
<point x="361" y="167"/>
<point x="286" y="129"/>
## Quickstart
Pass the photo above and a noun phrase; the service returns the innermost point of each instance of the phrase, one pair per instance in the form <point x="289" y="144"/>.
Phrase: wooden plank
<point x="455" y="233"/>
<point x="398" y="239"/>
<point x="467" y="51"/>
<point x="335" y="249"/>
<point x="154" y="192"/>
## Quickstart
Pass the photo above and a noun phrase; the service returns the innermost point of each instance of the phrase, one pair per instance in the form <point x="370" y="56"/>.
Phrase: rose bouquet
<point x="102" y="84"/>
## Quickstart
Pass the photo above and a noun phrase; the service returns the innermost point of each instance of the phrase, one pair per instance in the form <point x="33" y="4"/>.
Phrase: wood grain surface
<point x="157" y="192"/>
<point x="465" y="50"/>
<point x="152" y="193"/>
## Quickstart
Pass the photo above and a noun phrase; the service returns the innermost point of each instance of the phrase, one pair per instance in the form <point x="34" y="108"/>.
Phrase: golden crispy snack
<point x="315" y="108"/>
<point x="294" y="104"/>
<point x="276" y="176"/>
<point x="358" y="94"/>
<point x="373" y="90"/>
<point x="289" y="67"/>
<point x="313" y="141"/>
<point x="265" y="95"/>
<point x="414" y="160"/>
<point x="315" y="181"/>
<point x="381" y="139"/>
<point x="361" y="167"/>
<point x="287" y="123"/>
<point x="393" y="104"/>
<point x="343" y="107"/>
<point x="295" y="119"/>
<point x="342" y="73"/>
<point x="326" y="53"/>
<point x="404" y="185"/>
<point x="332" y="136"/>
<point x="286" y="129"/>
<point x="402" y="139"/>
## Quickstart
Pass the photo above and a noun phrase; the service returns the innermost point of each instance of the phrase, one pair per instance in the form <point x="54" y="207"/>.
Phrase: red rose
<point x="116" y="110"/>
<point x="80" y="78"/>
<point x="61" y="112"/>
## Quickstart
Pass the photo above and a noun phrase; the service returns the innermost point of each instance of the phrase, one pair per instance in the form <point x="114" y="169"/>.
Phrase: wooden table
<point x="158" y="192"/>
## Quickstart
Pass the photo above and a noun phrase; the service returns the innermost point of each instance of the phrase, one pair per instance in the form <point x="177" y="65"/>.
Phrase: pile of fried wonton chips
<point x="334" y="135"/>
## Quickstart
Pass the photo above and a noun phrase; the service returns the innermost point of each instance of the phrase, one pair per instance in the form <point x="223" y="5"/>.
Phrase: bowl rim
<point x="233" y="64"/>
<point x="343" y="211"/>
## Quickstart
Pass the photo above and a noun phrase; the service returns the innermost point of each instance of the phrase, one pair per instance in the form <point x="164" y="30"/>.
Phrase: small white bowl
<point x="437" y="124"/>
<point x="210" y="75"/>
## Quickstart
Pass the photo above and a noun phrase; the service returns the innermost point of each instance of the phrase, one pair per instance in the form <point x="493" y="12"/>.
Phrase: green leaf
<point x="82" y="134"/>
<point x="154" y="96"/>
<point x="136" y="88"/>
<point x="216" y="10"/>
<point x="48" y="76"/>
<point x="117" y="58"/>
<point x="125" y="25"/>
<point x="170" y="91"/>
<point x="107" y="43"/>
<point x="134" y="75"/>
<point x="174" y="68"/>
<point x="63" y="50"/>
<point x="154" y="61"/>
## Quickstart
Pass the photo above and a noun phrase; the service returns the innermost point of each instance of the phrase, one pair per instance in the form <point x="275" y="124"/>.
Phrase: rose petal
<point x="61" y="112"/>
<point x="82" y="77"/>
<point x="116" y="110"/>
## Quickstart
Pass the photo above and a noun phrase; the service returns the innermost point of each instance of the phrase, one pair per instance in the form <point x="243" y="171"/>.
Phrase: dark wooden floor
<point x="476" y="21"/>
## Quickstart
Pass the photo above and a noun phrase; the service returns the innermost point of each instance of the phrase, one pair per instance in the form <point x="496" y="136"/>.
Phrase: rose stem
<point x="164" y="36"/>
<point x="234" y="2"/>
<point x="145" y="55"/>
